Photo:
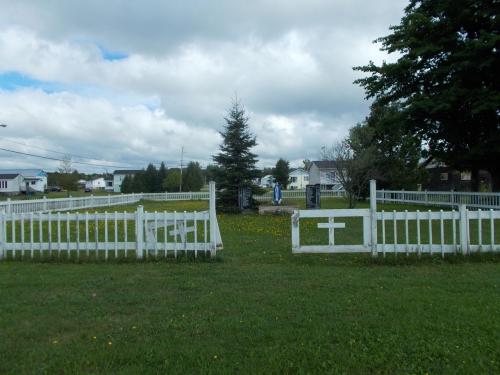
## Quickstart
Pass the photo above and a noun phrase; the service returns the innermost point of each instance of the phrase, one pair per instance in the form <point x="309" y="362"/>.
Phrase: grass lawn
<point x="255" y="309"/>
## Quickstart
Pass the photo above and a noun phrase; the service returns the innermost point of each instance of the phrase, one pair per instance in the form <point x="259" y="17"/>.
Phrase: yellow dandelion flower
<point x="94" y="338"/>
<point x="110" y="343"/>
<point x="215" y="356"/>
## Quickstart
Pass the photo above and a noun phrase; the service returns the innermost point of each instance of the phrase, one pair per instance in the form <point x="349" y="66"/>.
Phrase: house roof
<point x="25" y="172"/>
<point x="127" y="171"/>
<point x="324" y="164"/>
<point x="8" y="176"/>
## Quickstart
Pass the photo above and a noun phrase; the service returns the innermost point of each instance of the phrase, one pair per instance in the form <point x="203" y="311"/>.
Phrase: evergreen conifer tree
<point x="235" y="158"/>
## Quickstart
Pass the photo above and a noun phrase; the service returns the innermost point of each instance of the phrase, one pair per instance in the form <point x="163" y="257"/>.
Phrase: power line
<point x="56" y="159"/>
<point x="54" y="151"/>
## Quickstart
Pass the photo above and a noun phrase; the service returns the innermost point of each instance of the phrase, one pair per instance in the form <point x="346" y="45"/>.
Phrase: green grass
<point x="256" y="309"/>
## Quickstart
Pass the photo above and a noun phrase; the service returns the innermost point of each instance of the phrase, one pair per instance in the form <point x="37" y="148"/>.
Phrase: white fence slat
<point x="116" y="235"/>
<point x="430" y="231"/>
<point x="395" y="227"/>
<point x="195" y="235"/>
<point x="441" y="233"/>
<point x="492" y="231"/>
<point x="106" y="239"/>
<point x="125" y="230"/>
<point x="58" y="234"/>
<point x="32" y="239"/>
<point x="383" y="233"/>
<point x="407" y="239"/>
<point x="87" y="242"/>
<point x="419" y="248"/>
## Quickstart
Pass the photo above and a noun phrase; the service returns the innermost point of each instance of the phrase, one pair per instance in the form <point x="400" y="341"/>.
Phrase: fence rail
<point x="60" y="204"/>
<point x="441" y="198"/>
<point x="298" y="194"/>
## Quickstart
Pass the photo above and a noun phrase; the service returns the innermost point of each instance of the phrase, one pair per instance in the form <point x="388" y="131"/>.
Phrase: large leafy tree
<point x="236" y="160"/>
<point x="445" y="80"/>
<point x="281" y="172"/>
<point x="193" y="178"/>
<point x="395" y="151"/>
<point x="172" y="181"/>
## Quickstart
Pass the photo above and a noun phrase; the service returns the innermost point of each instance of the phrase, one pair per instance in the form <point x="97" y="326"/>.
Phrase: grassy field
<point x="255" y="309"/>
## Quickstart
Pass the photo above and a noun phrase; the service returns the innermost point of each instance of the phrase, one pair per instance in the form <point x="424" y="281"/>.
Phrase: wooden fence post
<point x="463" y="224"/>
<point x="373" y="216"/>
<point x="212" y="219"/>
<point x="139" y="231"/>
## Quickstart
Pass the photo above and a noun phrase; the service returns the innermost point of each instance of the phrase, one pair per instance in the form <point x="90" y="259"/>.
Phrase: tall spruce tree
<point x="162" y="174"/>
<point x="446" y="80"/>
<point x="236" y="160"/>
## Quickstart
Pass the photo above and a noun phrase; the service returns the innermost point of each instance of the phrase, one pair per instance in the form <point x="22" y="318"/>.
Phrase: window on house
<point x="465" y="176"/>
<point x="293" y="179"/>
<point x="33" y="182"/>
<point x="306" y="178"/>
<point x="443" y="176"/>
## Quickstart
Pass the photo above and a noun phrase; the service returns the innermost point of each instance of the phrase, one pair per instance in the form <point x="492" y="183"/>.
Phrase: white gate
<point x="333" y="224"/>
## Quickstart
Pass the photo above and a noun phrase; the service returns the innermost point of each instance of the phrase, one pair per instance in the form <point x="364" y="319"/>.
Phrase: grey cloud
<point x="289" y="61"/>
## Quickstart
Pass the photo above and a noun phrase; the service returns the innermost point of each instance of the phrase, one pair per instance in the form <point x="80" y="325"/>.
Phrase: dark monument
<point x="313" y="196"/>
<point x="245" y="198"/>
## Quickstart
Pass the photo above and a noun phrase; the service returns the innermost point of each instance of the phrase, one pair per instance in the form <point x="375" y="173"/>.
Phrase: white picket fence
<point x="298" y="194"/>
<point x="441" y="198"/>
<point x="463" y="231"/>
<point x="103" y="235"/>
<point x="61" y="204"/>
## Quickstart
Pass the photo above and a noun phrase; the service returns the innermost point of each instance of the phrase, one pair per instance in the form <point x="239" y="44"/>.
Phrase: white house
<point x="98" y="183"/>
<point x="118" y="177"/>
<point x="266" y="181"/>
<point x="10" y="183"/>
<point x="31" y="180"/>
<point x="299" y="178"/>
<point x="324" y="172"/>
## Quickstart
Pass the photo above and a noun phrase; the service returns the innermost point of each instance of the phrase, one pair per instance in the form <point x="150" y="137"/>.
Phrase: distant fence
<point x="441" y="198"/>
<point x="298" y="194"/>
<point x="106" y="235"/>
<point x="61" y="204"/>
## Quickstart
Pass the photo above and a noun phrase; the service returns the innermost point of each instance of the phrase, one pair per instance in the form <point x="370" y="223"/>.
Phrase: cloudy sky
<point x="121" y="83"/>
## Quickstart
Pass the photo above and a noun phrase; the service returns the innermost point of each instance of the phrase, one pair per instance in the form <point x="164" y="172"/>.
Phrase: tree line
<point x="156" y="180"/>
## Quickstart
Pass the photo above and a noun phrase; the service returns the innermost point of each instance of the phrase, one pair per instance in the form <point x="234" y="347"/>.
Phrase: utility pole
<point x="182" y="159"/>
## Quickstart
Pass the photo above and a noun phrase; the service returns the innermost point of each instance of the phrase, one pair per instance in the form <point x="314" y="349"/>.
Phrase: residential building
<point x="10" y="183"/>
<point x="31" y="180"/>
<point x="299" y="178"/>
<point x="444" y="178"/>
<point x="119" y="175"/>
<point x="266" y="181"/>
<point x="324" y="172"/>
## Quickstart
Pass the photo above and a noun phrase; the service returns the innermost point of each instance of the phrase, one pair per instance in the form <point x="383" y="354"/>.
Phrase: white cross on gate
<point x="331" y="226"/>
